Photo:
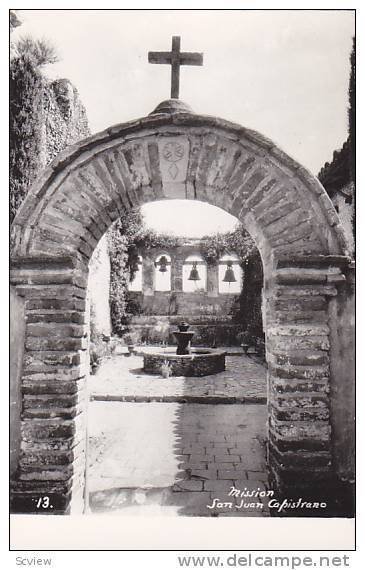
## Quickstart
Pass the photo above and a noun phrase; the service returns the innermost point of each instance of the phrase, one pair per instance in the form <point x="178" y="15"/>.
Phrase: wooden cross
<point x="175" y="58"/>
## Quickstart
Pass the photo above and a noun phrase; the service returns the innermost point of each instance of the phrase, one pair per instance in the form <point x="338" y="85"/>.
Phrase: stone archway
<point x="174" y="153"/>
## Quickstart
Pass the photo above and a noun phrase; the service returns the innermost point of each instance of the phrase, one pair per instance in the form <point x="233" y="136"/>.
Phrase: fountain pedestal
<point x="183" y="337"/>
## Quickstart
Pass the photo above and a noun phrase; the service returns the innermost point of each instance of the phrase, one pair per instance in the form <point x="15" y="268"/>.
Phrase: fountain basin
<point x="200" y="361"/>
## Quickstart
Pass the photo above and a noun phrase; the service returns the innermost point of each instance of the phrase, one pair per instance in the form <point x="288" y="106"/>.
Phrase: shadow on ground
<point x="178" y="459"/>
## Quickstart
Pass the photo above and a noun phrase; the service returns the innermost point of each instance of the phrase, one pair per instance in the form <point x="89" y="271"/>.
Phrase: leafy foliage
<point x="138" y="236"/>
<point x="122" y="238"/>
<point x="26" y="90"/>
<point x="247" y="312"/>
<point x="14" y="20"/>
<point x="118" y="249"/>
<point x="238" y="241"/>
<point x="41" y="52"/>
<point x="352" y="111"/>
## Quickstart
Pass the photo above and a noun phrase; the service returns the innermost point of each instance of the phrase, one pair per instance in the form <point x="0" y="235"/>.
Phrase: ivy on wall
<point x="26" y="90"/>
<point x="118" y="250"/>
<point x="338" y="173"/>
<point x="238" y="241"/>
<point x="44" y="116"/>
<point x="247" y="311"/>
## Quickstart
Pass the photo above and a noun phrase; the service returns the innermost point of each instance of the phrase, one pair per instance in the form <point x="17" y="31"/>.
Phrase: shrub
<point x="166" y="369"/>
<point x="42" y="52"/>
<point x="98" y="351"/>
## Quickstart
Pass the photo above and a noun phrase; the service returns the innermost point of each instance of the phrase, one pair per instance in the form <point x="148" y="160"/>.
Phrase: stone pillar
<point x="51" y="470"/>
<point x="177" y="272"/>
<point x="212" y="280"/>
<point x="301" y="375"/>
<point x="148" y="271"/>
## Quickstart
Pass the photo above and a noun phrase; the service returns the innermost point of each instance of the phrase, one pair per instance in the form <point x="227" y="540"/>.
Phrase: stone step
<point x="186" y="399"/>
<point x="176" y="319"/>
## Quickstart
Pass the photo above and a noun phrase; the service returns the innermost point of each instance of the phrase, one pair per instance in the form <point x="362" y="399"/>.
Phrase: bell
<point x="194" y="275"/>
<point x="229" y="276"/>
<point x="163" y="263"/>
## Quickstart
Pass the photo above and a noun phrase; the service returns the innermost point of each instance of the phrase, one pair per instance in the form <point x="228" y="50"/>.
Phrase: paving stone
<point x="188" y="449"/>
<point x="226" y="445"/>
<point x="195" y="458"/>
<point x="189" y="465"/>
<point x="253" y="462"/>
<point x="226" y="466"/>
<point x="257" y="475"/>
<point x="219" y="487"/>
<point x="231" y="474"/>
<point x="225" y="458"/>
<point x="207" y="474"/>
<point x="201" y="474"/>
<point x="202" y="451"/>
<point x="188" y="485"/>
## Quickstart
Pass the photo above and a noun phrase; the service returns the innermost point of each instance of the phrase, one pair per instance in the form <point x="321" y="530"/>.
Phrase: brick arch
<point x="167" y="156"/>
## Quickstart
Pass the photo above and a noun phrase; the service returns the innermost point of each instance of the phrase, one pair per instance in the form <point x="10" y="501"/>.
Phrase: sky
<point x="282" y="73"/>
<point x="195" y="219"/>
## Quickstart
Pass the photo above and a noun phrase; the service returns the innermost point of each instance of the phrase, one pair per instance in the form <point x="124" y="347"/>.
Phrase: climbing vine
<point x="127" y="237"/>
<point x="239" y="241"/>
<point x="26" y="89"/>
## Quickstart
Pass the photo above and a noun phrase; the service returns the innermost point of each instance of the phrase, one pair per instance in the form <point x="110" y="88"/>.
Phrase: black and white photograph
<point x="182" y="264"/>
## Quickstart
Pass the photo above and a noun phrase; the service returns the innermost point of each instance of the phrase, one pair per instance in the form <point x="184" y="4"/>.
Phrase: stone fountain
<point x="183" y="337"/>
<point x="184" y="360"/>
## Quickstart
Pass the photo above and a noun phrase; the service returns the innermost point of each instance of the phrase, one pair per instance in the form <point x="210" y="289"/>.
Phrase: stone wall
<point x="45" y="117"/>
<point x="338" y="180"/>
<point x="65" y="120"/>
<point x="343" y="201"/>
<point x="184" y="303"/>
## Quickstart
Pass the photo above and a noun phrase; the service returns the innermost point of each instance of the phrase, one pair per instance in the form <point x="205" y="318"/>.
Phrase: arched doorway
<point x="304" y="254"/>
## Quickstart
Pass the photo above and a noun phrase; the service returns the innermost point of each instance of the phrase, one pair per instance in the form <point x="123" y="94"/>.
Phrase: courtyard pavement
<point x="176" y="459"/>
<point x="167" y="457"/>
<point x="121" y="378"/>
